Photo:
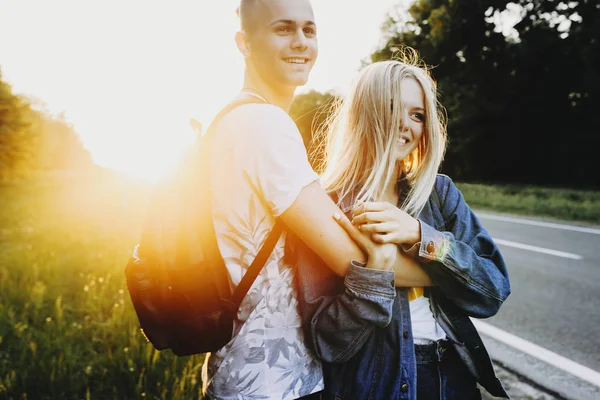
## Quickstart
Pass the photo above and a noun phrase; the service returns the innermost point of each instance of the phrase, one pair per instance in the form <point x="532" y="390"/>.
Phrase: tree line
<point x="32" y="139"/>
<point x="522" y="104"/>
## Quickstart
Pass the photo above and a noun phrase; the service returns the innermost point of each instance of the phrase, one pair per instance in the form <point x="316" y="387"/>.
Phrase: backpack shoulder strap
<point x="242" y="99"/>
<point x="267" y="248"/>
<point x="257" y="265"/>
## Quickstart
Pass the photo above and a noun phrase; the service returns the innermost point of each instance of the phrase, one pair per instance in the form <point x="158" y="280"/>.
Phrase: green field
<point x="67" y="327"/>
<point x="563" y="204"/>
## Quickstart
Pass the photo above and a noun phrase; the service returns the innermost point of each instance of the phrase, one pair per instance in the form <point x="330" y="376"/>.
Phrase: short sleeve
<point x="272" y="155"/>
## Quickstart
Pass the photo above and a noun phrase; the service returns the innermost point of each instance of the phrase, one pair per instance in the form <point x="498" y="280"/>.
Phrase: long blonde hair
<point x="363" y="132"/>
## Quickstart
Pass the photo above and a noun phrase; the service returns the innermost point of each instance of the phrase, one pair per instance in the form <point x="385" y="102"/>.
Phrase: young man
<point x="260" y="172"/>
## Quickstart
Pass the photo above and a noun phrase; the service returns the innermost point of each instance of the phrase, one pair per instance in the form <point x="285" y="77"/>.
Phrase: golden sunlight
<point x="129" y="93"/>
<point x="181" y="71"/>
<point x="130" y="75"/>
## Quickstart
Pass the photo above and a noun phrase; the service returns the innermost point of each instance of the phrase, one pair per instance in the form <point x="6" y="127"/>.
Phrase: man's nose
<point x="300" y="41"/>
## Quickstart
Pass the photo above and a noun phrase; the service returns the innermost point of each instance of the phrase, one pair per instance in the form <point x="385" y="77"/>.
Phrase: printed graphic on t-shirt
<point x="256" y="175"/>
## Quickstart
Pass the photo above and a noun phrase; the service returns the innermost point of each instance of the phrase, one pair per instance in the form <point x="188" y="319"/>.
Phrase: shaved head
<point x="248" y="11"/>
<point x="278" y="40"/>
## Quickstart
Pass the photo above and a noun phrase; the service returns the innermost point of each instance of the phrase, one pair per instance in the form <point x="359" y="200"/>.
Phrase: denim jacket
<point x="360" y="325"/>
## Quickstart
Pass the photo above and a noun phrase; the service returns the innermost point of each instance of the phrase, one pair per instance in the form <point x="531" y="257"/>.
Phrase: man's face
<point x="284" y="42"/>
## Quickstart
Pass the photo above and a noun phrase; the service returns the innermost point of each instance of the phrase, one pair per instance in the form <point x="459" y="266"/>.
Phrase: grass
<point x="67" y="327"/>
<point x="564" y="204"/>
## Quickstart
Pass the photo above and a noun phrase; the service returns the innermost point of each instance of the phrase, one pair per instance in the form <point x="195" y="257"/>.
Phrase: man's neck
<point x="282" y="99"/>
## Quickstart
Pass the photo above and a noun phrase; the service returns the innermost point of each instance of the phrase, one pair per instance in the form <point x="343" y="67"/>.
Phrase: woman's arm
<point x="339" y="315"/>
<point x="269" y="152"/>
<point x="310" y="218"/>
<point x="463" y="260"/>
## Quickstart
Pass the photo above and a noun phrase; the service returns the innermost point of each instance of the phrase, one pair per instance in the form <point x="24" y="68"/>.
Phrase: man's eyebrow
<point x="291" y="22"/>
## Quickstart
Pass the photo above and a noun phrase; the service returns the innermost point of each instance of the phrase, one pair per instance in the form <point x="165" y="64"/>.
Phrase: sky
<point x="129" y="75"/>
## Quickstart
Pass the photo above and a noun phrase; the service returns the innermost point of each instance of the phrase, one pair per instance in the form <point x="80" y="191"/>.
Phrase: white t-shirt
<point x="425" y="328"/>
<point x="259" y="166"/>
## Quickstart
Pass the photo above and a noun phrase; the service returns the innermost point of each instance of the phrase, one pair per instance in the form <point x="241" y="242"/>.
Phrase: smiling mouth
<point x="402" y="141"/>
<point x="296" y="60"/>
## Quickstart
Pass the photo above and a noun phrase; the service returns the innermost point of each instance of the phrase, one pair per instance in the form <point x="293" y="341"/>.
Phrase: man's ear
<point x="243" y="44"/>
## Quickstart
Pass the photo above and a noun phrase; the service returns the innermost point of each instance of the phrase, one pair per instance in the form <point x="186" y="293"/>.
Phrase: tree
<point x="17" y="138"/>
<point x="559" y="49"/>
<point x="310" y="112"/>
<point x="515" y="102"/>
<point x="33" y="139"/>
<point x="59" y="146"/>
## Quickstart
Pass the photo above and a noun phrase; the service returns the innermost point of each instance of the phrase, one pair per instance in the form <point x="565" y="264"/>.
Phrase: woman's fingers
<point x="383" y="238"/>
<point x="370" y="206"/>
<point x="369" y="217"/>
<point x="383" y="227"/>
<point x="355" y="234"/>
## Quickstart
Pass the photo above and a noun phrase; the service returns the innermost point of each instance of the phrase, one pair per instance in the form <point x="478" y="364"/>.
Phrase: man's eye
<point x="309" y="31"/>
<point x="283" y="29"/>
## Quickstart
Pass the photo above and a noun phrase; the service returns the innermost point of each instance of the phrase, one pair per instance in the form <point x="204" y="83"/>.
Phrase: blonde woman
<point x="384" y="147"/>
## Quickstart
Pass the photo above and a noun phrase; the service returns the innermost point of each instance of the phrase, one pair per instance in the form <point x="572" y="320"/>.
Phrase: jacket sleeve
<point x="339" y="314"/>
<point x="463" y="260"/>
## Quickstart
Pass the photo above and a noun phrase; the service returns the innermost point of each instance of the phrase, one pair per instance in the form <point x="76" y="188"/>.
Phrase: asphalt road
<point x="555" y="301"/>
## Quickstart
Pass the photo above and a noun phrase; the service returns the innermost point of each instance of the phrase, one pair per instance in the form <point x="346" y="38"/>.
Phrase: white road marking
<point x="578" y="370"/>
<point x="539" y="223"/>
<point x="538" y="249"/>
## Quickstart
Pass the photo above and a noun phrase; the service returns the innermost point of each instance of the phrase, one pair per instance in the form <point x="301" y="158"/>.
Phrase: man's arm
<point x="409" y="273"/>
<point x="310" y="218"/>
<point x="268" y="147"/>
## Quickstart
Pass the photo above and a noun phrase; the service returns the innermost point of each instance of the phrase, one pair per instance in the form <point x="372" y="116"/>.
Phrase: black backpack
<point x="177" y="278"/>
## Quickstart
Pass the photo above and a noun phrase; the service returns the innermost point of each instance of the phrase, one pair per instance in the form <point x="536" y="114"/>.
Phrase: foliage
<point x="521" y="107"/>
<point x="59" y="145"/>
<point x="17" y="138"/>
<point x="310" y="112"/>
<point x="32" y="139"/>
<point x="521" y="103"/>
<point x="67" y="326"/>
<point x="560" y="203"/>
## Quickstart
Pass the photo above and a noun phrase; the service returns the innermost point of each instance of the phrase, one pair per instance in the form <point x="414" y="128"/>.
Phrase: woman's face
<point x="413" y="119"/>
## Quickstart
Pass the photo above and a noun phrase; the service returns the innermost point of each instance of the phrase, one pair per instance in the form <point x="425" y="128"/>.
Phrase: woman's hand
<point x="386" y="223"/>
<point x="380" y="256"/>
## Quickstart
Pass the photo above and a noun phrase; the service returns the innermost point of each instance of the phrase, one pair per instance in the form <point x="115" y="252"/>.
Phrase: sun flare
<point x="130" y="75"/>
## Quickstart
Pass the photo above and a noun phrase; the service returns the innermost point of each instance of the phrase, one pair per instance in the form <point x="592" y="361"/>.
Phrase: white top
<point x="259" y="167"/>
<point x="425" y="329"/>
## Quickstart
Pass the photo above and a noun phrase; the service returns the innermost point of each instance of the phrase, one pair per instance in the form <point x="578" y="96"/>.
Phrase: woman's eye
<point x="419" y="117"/>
